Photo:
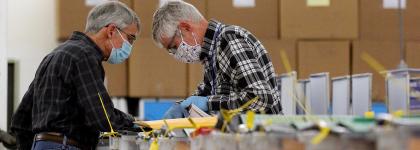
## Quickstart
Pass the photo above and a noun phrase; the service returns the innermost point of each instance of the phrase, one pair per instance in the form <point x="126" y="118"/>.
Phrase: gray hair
<point x="111" y="12"/>
<point x="166" y="18"/>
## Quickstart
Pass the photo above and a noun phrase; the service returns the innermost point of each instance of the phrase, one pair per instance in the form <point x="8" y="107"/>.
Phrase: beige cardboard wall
<point x="195" y="76"/>
<point x="339" y="20"/>
<point x="261" y="20"/>
<point x="413" y="54"/>
<point x="378" y="23"/>
<point x="154" y="73"/>
<point x="274" y="47"/>
<point x="323" y="56"/>
<point x="116" y="78"/>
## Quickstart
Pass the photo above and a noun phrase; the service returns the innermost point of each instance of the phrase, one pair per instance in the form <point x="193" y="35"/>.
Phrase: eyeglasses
<point x="171" y="47"/>
<point x="130" y="37"/>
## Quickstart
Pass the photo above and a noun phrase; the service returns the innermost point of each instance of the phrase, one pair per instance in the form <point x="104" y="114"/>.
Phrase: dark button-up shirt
<point x="237" y="68"/>
<point x="63" y="97"/>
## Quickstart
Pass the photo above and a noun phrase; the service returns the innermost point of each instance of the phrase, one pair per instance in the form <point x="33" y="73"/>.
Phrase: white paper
<point x="361" y="94"/>
<point x="341" y="96"/>
<point x="288" y="102"/>
<point x="398" y="92"/>
<point x="243" y="3"/>
<point x="318" y="3"/>
<point x="116" y="102"/>
<point x="319" y="93"/>
<point x="123" y="105"/>
<point x="300" y="93"/>
<point x="307" y="85"/>
<point x="393" y="4"/>
<point x="196" y="112"/>
<point x="92" y="3"/>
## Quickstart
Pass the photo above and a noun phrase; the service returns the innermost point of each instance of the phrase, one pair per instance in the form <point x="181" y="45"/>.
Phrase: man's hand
<point x="8" y="140"/>
<point x="199" y="101"/>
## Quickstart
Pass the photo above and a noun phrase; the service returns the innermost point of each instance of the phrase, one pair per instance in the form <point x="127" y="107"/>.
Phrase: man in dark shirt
<point x="62" y="107"/>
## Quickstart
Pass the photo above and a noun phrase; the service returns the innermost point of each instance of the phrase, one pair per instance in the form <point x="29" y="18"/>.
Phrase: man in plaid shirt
<point x="237" y="67"/>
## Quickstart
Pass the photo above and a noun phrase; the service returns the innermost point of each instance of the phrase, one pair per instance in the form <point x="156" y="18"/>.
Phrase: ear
<point x="110" y="30"/>
<point x="184" y="26"/>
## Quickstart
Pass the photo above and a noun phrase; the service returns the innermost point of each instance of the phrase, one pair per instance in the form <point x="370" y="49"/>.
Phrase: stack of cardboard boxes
<point x="317" y="36"/>
<point x="379" y="37"/>
<point x="323" y="30"/>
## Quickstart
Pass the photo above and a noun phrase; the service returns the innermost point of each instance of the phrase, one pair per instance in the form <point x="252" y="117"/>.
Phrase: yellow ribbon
<point x="154" y="145"/>
<point x="229" y="114"/>
<point x="325" y="131"/>
<point x="112" y="133"/>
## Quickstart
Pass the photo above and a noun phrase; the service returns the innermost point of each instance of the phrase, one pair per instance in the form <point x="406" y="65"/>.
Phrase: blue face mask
<point x="118" y="55"/>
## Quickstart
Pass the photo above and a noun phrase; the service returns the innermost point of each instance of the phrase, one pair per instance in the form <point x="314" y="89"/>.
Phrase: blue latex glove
<point x="199" y="101"/>
<point x="176" y="111"/>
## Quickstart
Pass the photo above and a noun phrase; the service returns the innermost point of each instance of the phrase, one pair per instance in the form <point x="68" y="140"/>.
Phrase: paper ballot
<point x="196" y="112"/>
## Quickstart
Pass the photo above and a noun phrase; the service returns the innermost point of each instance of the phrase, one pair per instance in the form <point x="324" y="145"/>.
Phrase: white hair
<point x="166" y="18"/>
<point x="112" y="12"/>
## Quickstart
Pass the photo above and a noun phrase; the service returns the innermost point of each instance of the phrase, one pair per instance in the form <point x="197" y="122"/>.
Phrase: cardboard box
<point x="146" y="8"/>
<point x="274" y="48"/>
<point x="116" y="78"/>
<point x="413" y="54"/>
<point x="260" y="19"/>
<point x="386" y="53"/>
<point x="323" y="56"/>
<point x="378" y="23"/>
<point x="195" y="77"/>
<point x="72" y="15"/>
<point x="337" y="20"/>
<point x="154" y="73"/>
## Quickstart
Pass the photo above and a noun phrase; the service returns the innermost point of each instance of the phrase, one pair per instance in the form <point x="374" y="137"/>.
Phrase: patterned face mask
<point x="187" y="53"/>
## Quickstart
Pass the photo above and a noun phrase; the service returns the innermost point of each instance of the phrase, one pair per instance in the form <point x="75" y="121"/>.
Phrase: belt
<point x="58" y="138"/>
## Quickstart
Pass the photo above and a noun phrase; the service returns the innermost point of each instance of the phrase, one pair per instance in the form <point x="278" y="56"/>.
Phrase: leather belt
<point x="57" y="138"/>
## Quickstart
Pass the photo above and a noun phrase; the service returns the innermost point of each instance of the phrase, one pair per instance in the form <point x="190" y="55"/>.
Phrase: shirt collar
<point x="80" y="36"/>
<point x="208" y="39"/>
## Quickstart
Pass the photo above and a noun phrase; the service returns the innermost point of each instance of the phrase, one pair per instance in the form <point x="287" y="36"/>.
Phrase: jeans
<point x="176" y="111"/>
<point x="47" y="145"/>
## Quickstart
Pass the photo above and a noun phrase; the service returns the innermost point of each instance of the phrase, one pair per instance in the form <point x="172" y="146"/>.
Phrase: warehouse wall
<point x="31" y="35"/>
<point x="3" y="65"/>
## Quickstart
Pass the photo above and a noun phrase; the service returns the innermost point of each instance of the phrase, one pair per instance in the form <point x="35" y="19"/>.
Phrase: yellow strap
<point x="372" y="62"/>
<point x="193" y="123"/>
<point x="169" y="128"/>
<point x="229" y="114"/>
<point x="398" y="113"/>
<point x="250" y="116"/>
<point x="154" y="145"/>
<point x="370" y="114"/>
<point x="106" y="114"/>
<point x="325" y="131"/>
<point x="285" y="61"/>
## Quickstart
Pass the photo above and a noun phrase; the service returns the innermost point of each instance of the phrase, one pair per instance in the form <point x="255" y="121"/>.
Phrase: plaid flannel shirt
<point x="237" y="68"/>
